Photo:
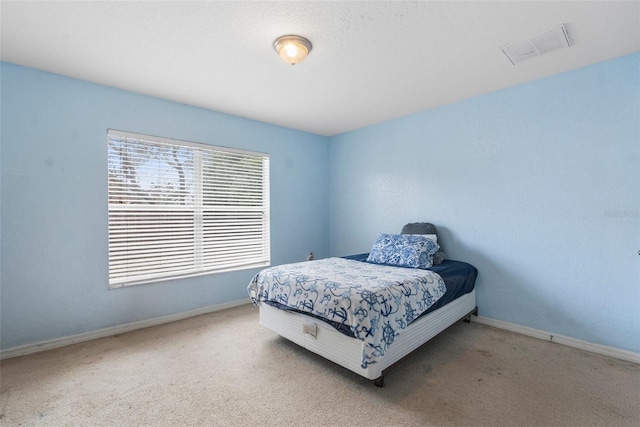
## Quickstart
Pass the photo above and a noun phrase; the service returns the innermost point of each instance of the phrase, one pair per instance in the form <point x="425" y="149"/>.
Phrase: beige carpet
<point x="225" y="369"/>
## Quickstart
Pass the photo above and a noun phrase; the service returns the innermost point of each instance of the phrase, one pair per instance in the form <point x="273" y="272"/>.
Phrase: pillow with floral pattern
<point x="403" y="250"/>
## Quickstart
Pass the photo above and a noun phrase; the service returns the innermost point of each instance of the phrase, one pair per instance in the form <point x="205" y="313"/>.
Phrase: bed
<point x="366" y="312"/>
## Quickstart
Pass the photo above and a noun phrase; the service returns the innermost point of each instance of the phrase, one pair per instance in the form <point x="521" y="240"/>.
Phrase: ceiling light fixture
<point x="292" y="49"/>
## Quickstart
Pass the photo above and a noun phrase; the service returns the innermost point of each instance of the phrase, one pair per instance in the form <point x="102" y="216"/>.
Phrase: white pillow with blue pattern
<point x="403" y="250"/>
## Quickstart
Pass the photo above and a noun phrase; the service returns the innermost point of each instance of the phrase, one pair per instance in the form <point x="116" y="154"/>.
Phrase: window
<point x="180" y="209"/>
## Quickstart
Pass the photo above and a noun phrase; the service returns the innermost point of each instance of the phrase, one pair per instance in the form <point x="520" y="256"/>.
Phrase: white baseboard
<point x="114" y="330"/>
<point x="120" y="329"/>
<point x="571" y="342"/>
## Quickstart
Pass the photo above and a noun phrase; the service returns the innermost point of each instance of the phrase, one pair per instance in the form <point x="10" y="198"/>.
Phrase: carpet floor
<point x="224" y="369"/>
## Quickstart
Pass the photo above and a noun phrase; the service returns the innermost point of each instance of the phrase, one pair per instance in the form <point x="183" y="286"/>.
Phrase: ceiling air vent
<point x="556" y="38"/>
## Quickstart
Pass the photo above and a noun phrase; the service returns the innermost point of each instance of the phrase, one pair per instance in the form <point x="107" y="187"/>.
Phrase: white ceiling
<point x="371" y="61"/>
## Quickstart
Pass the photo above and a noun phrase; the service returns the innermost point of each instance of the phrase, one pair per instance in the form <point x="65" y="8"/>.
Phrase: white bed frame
<point x="321" y="338"/>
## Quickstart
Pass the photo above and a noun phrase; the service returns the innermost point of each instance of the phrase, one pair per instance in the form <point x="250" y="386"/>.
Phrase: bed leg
<point x="379" y="382"/>
<point x="468" y="318"/>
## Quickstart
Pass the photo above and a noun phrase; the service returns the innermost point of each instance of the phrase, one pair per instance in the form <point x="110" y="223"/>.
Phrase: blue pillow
<point x="403" y="250"/>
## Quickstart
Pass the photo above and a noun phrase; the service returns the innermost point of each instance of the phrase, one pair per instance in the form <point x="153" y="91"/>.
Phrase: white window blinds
<point x="178" y="209"/>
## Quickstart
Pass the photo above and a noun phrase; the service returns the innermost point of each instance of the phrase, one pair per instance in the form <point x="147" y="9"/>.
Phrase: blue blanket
<point x="375" y="301"/>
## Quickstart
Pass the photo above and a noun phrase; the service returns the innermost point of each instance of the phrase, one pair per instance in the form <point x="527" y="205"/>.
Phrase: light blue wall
<point x="538" y="186"/>
<point x="54" y="203"/>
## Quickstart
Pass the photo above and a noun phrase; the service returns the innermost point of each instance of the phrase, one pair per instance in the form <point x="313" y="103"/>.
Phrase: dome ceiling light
<point x="292" y="49"/>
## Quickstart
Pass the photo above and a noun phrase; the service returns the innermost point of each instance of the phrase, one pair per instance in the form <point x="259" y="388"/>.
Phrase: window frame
<point x="256" y="217"/>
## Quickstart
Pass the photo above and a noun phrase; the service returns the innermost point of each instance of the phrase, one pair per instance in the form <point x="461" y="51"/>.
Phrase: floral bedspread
<point x="375" y="301"/>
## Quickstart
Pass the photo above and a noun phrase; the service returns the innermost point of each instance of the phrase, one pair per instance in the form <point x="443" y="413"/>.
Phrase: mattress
<point x="324" y="340"/>
<point x="376" y="302"/>
<point x="337" y="343"/>
<point x="459" y="278"/>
